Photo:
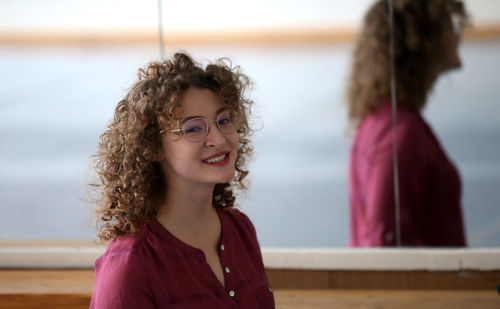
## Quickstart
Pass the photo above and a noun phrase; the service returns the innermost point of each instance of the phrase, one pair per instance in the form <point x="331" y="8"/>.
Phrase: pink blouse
<point x="429" y="184"/>
<point x="154" y="269"/>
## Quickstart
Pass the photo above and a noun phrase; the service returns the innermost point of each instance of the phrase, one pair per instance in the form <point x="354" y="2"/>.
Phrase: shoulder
<point x="121" y="274"/>
<point x="380" y="121"/>
<point x="236" y="215"/>
<point x="377" y="128"/>
<point x="125" y="245"/>
<point x="238" y="220"/>
<point x="122" y="262"/>
<point x="239" y="233"/>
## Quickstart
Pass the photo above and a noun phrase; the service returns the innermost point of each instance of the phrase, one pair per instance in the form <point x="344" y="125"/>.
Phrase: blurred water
<point x="54" y="103"/>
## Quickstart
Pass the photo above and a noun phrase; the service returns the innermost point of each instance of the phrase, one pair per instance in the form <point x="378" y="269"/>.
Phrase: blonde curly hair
<point x="130" y="181"/>
<point x="419" y="26"/>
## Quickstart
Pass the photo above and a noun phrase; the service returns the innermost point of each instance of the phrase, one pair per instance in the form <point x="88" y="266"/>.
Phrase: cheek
<point x="167" y="151"/>
<point x="176" y="157"/>
<point x="234" y="140"/>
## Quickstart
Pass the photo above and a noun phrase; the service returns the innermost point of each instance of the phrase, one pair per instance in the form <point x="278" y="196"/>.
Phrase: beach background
<point x="57" y="96"/>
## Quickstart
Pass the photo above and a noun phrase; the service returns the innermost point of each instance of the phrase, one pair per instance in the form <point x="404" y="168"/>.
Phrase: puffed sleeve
<point x="121" y="282"/>
<point x="380" y="205"/>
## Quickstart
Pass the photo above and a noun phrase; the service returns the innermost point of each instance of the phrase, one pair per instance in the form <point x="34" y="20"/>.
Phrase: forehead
<point x="200" y="102"/>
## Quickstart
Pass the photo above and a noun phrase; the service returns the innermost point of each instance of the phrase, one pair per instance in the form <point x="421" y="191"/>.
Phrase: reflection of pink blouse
<point x="429" y="184"/>
<point x="157" y="270"/>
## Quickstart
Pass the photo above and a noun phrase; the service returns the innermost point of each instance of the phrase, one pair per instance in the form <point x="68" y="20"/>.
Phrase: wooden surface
<point x="386" y="299"/>
<point x="307" y="299"/>
<point x="72" y="289"/>
<point x="81" y="281"/>
<point x="410" y="280"/>
<point x="49" y="301"/>
<point x="46" y="282"/>
<point x="262" y="36"/>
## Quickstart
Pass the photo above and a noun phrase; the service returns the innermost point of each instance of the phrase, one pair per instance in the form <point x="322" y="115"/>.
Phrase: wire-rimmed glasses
<point x="196" y="129"/>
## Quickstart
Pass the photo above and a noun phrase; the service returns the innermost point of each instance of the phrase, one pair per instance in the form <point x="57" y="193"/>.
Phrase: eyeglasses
<point x="457" y="24"/>
<point x="196" y="129"/>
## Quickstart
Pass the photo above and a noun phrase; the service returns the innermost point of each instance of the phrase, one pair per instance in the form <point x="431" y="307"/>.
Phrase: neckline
<point x="159" y="230"/>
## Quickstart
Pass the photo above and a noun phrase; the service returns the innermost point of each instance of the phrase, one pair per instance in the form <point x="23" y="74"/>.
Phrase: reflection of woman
<point x="167" y="166"/>
<point x="426" y="37"/>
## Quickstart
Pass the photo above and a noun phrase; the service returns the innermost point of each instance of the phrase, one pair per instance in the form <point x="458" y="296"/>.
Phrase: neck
<point x="187" y="211"/>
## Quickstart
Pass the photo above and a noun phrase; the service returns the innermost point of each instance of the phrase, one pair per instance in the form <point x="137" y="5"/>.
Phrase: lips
<point x="217" y="159"/>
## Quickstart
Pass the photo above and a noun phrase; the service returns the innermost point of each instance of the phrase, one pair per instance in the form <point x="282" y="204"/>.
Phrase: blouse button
<point x="222" y="247"/>
<point x="231" y="293"/>
<point x="270" y="290"/>
<point x="227" y="270"/>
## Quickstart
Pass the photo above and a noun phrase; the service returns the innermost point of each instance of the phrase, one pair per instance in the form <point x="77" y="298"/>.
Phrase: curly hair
<point x="418" y="26"/>
<point x="130" y="181"/>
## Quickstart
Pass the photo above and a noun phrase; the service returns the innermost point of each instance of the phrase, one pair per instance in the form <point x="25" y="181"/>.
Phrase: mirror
<point x="58" y="93"/>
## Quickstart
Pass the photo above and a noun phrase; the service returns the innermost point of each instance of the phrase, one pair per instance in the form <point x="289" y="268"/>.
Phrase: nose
<point x="214" y="136"/>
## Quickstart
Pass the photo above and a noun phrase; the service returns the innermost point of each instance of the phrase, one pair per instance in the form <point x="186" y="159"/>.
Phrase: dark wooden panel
<point x="82" y="281"/>
<point x="421" y="280"/>
<point x="29" y="281"/>
<point x="306" y="299"/>
<point x="386" y="299"/>
<point x="53" y="301"/>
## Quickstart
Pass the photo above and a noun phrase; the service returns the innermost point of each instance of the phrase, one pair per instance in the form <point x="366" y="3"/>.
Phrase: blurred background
<point x="65" y="64"/>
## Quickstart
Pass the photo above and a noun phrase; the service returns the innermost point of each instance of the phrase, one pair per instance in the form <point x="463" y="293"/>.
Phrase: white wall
<point x="198" y="15"/>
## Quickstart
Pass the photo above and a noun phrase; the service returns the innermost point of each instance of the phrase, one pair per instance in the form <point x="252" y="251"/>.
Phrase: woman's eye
<point x="224" y="118"/>
<point x="195" y="126"/>
<point x="192" y="130"/>
<point x="224" y="121"/>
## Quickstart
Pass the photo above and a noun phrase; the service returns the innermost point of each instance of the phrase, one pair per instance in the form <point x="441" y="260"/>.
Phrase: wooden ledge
<point x="271" y="36"/>
<point x="74" y="256"/>
<point x="402" y="280"/>
<point x="293" y="289"/>
<point x="53" y="275"/>
<point x="24" y="281"/>
<point x="305" y="299"/>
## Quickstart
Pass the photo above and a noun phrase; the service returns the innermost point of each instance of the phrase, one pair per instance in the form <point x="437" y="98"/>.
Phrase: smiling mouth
<point x="219" y="160"/>
<point x="216" y="159"/>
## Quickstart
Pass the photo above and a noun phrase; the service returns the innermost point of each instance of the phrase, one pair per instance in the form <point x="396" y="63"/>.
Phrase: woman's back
<point x="429" y="184"/>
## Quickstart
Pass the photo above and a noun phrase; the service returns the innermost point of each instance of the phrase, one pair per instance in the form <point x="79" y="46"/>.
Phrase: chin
<point x="228" y="178"/>
<point x="221" y="177"/>
<point x="452" y="66"/>
<point x="455" y="62"/>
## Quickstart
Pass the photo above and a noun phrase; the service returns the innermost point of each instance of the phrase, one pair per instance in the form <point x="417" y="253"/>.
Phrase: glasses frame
<point x="181" y="131"/>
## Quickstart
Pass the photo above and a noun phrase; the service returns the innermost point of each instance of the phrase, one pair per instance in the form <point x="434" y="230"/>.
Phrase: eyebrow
<point x="220" y="110"/>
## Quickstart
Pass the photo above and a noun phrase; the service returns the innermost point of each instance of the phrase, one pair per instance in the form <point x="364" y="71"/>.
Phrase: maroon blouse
<point x="154" y="269"/>
<point x="429" y="184"/>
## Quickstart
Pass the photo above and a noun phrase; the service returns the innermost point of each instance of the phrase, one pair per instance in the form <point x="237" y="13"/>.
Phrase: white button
<point x="222" y="247"/>
<point x="270" y="290"/>
<point x="231" y="293"/>
<point x="227" y="270"/>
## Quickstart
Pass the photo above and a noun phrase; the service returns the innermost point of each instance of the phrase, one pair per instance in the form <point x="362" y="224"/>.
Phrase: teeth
<point x="216" y="159"/>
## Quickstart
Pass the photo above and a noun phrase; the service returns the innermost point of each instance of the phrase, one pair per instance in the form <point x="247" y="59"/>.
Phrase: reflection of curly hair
<point x="418" y="31"/>
<point x="129" y="176"/>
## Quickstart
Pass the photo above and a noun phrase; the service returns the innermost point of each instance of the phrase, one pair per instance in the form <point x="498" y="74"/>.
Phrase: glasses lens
<point x="225" y="123"/>
<point x="195" y="129"/>
<point x="457" y="23"/>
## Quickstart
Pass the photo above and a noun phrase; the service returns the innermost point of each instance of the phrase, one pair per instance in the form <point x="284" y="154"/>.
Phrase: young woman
<point x="426" y="38"/>
<point x="168" y="164"/>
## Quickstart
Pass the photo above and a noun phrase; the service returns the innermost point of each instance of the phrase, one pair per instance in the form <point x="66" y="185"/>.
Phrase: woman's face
<point x="210" y="160"/>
